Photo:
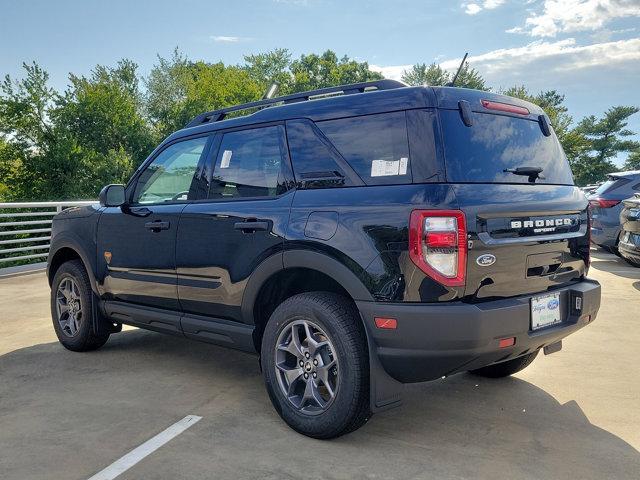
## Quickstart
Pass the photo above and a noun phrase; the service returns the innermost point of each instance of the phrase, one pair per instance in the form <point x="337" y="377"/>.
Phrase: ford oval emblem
<point x="486" y="260"/>
<point x="553" y="304"/>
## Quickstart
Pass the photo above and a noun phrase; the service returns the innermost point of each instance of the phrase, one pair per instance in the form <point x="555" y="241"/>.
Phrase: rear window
<point x="493" y="143"/>
<point x="376" y="146"/>
<point x="611" y="184"/>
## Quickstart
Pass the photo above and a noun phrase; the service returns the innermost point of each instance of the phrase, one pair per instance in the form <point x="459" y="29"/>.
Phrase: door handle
<point x="250" y="226"/>
<point x="157" y="226"/>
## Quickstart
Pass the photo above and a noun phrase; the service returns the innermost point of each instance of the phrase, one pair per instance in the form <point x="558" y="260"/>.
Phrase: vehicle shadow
<point x="102" y="404"/>
<point x="608" y="262"/>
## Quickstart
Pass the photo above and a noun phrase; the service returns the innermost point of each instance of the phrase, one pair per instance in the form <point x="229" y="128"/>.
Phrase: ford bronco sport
<point x="356" y="238"/>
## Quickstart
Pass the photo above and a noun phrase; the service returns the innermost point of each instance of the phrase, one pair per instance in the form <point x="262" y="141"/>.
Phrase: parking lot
<point x="64" y="415"/>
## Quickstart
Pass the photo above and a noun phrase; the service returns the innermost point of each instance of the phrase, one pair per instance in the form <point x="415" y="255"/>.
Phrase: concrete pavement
<point x="573" y="414"/>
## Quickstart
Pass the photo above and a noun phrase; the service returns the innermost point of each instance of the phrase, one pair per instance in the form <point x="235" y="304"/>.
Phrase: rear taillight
<point x="602" y="203"/>
<point x="438" y="244"/>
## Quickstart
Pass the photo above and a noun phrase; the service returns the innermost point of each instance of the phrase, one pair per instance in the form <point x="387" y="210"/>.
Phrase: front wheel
<point x="504" y="369"/>
<point x="315" y="364"/>
<point x="71" y="309"/>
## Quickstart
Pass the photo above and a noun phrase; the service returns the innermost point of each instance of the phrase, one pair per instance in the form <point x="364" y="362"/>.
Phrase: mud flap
<point x="99" y="322"/>
<point x="385" y="392"/>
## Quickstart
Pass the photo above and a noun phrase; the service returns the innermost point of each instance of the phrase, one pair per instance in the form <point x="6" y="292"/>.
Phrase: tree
<point x="633" y="160"/>
<point x="607" y="137"/>
<point x="179" y="89"/>
<point x="270" y="67"/>
<point x="421" y="74"/>
<point x="68" y="146"/>
<point x="313" y="71"/>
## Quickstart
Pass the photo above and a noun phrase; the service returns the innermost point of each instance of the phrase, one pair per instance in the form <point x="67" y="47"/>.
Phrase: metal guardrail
<point x="25" y="228"/>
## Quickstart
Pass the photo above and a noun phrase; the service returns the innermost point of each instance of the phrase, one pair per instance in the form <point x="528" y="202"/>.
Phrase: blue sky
<point x="587" y="49"/>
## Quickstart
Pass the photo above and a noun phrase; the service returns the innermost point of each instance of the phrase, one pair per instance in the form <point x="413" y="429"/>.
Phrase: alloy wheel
<point x="69" y="306"/>
<point x="306" y="367"/>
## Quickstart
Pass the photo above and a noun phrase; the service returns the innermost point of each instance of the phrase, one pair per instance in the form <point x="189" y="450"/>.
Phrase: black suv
<point x="356" y="238"/>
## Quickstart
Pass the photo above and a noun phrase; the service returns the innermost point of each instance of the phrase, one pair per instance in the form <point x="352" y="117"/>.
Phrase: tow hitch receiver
<point x="553" y="348"/>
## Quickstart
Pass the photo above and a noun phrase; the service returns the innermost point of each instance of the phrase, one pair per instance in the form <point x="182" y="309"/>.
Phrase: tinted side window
<point x="249" y="164"/>
<point x="376" y="146"/>
<point x="169" y="176"/>
<point x="316" y="164"/>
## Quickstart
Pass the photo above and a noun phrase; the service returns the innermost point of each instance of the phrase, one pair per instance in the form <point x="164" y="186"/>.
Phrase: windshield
<point x="494" y="143"/>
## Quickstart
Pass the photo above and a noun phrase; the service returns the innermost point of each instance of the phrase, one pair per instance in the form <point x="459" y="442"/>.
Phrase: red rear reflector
<point x="507" y="342"/>
<point x="441" y="239"/>
<point x="504" y="107"/>
<point x="386" y="323"/>
<point x="602" y="203"/>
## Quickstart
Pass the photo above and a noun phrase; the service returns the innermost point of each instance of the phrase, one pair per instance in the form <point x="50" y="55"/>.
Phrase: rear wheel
<point x="507" y="368"/>
<point x="71" y="309"/>
<point x="315" y="364"/>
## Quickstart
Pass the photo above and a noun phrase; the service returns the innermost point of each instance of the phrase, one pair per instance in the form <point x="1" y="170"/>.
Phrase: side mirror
<point x="112" y="196"/>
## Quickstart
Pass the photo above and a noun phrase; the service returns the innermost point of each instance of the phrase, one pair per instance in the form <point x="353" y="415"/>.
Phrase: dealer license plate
<point x="545" y="310"/>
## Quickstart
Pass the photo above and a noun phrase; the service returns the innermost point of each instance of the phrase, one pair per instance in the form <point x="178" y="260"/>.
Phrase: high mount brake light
<point x="438" y="244"/>
<point x="504" y="107"/>
<point x="602" y="203"/>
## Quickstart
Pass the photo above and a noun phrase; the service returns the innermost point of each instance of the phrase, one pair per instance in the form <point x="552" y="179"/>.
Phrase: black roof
<point x="357" y="99"/>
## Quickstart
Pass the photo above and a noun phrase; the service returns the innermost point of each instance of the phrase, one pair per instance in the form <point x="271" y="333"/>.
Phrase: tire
<point x="77" y="335"/>
<point x="631" y="262"/>
<point x="331" y="319"/>
<point x="504" y="369"/>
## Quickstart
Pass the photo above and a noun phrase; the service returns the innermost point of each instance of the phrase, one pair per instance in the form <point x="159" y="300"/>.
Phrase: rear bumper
<point x="433" y="340"/>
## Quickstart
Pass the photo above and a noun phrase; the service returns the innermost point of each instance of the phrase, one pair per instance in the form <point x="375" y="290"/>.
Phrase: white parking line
<point x="134" y="456"/>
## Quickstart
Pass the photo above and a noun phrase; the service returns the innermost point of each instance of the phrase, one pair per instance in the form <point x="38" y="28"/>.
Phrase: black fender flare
<point x="69" y="240"/>
<point x="300" y="259"/>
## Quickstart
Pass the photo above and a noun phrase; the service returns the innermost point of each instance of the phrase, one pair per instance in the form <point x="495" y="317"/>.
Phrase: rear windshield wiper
<point x="532" y="172"/>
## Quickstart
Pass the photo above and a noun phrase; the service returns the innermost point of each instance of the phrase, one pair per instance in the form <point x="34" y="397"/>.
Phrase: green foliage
<point x="318" y="71"/>
<point x="270" y="67"/>
<point x="178" y="90"/>
<point x="66" y="146"/>
<point x="423" y="74"/>
<point x="607" y="137"/>
<point x="633" y="160"/>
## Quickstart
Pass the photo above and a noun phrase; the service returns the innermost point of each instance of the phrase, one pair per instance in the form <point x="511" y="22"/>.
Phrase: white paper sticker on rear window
<point x="226" y="159"/>
<point x="402" y="169"/>
<point x="385" y="168"/>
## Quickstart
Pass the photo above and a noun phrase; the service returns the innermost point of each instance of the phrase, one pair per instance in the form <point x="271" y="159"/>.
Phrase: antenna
<point x="455" y="77"/>
<point x="271" y="91"/>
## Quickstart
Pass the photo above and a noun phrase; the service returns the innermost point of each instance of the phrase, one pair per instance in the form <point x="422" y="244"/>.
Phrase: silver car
<point x="606" y="205"/>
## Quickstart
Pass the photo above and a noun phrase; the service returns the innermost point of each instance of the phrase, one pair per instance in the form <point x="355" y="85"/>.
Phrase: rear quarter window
<point x="482" y="152"/>
<point x="375" y="146"/>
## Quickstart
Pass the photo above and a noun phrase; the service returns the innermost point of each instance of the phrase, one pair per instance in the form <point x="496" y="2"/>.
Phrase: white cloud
<point x="228" y="39"/>
<point x="503" y="66"/>
<point x="565" y="16"/>
<point x="471" y="8"/>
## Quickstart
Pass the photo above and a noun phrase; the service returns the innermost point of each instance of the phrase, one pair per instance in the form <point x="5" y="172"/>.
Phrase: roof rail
<point x="217" y="115"/>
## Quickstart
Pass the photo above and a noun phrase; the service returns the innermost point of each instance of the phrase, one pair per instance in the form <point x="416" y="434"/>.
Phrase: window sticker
<point x="385" y="168"/>
<point x="226" y="159"/>
<point x="402" y="169"/>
